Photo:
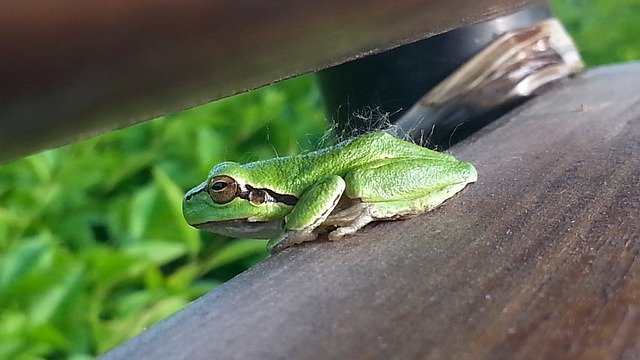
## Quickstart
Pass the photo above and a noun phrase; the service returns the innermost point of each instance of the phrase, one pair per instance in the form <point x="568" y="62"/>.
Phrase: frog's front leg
<point x="310" y="211"/>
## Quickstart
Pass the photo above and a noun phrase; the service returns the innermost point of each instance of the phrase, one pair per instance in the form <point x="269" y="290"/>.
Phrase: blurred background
<point x="93" y="246"/>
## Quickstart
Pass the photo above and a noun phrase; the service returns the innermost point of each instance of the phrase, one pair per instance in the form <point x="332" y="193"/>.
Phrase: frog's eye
<point x="223" y="189"/>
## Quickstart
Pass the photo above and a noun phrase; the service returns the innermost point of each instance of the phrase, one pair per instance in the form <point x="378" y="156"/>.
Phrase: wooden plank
<point x="538" y="259"/>
<point x="72" y="70"/>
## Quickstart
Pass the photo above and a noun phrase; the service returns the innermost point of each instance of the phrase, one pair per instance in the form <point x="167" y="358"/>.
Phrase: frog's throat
<point x="244" y="228"/>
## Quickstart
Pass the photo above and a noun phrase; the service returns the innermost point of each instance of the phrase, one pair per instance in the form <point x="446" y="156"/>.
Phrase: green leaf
<point x="17" y="263"/>
<point x="142" y="207"/>
<point x="157" y="252"/>
<point x="54" y="298"/>
<point x="112" y="266"/>
<point x="173" y="194"/>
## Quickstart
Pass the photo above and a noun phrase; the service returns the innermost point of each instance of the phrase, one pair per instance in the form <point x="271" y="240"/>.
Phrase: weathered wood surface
<point x="537" y="260"/>
<point x="70" y="69"/>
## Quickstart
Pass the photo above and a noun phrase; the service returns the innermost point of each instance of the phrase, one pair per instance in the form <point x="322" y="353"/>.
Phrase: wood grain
<point x="537" y="260"/>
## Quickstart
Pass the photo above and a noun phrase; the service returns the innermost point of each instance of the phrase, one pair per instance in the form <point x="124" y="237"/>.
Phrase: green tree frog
<point x="336" y="190"/>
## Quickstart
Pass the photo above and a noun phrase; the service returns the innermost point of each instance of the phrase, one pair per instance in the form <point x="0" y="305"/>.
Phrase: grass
<point x="93" y="247"/>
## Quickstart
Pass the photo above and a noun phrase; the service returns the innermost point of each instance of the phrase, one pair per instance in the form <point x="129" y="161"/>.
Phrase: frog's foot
<point x="356" y="225"/>
<point x="290" y="238"/>
<point x="296" y="237"/>
<point x="350" y="220"/>
<point x="315" y="205"/>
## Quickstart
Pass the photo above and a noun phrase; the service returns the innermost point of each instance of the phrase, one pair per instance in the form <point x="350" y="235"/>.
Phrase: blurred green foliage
<point x="93" y="247"/>
<point x="605" y="31"/>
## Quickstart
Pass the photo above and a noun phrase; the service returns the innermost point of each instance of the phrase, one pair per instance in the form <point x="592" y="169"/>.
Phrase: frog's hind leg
<point x="352" y="219"/>
<point x="389" y="190"/>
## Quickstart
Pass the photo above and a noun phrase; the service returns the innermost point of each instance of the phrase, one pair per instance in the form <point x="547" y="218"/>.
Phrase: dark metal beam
<point x="538" y="259"/>
<point x="73" y="69"/>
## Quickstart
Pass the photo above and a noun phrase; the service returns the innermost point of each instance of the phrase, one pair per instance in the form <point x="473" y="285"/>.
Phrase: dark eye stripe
<point x="281" y="198"/>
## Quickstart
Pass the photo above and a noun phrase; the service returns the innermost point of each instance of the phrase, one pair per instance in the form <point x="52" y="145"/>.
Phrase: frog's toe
<point x="290" y="238"/>
<point x="274" y="247"/>
<point x="357" y="224"/>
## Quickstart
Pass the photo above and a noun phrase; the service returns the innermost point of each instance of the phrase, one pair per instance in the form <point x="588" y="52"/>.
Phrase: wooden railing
<point x="538" y="259"/>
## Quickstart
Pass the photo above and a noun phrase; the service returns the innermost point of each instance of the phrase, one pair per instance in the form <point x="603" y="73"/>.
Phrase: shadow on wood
<point x="538" y="259"/>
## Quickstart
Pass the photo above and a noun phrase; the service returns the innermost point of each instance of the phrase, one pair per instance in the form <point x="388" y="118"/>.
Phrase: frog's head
<point x="227" y="203"/>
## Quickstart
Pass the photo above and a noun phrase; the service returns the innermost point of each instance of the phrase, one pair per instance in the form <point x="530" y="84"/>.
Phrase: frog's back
<point x="381" y="144"/>
<point x="332" y="160"/>
<point x="339" y="159"/>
